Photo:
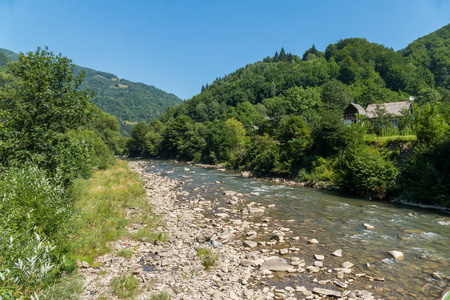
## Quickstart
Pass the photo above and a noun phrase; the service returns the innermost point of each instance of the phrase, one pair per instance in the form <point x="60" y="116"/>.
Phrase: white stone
<point x="347" y="265"/>
<point x="250" y="244"/>
<point x="284" y="251"/>
<point x="368" y="226"/>
<point x="319" y="257"/>
<point x="318" y="264"/>
<point x="396" y="254"/>
<point x="275" y="264"/>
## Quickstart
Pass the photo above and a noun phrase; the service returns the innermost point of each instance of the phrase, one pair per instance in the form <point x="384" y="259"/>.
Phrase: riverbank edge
<point x="322" y="185"/>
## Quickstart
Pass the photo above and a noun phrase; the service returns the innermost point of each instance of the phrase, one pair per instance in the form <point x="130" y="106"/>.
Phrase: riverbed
<point x="337" y="222"/>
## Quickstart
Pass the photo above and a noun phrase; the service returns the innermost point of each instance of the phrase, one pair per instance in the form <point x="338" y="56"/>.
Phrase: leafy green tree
<point x="41" y="102"/>
<point x="349" y="71"/>
<point x="154" y="138"/>
<point x="276" y="108"/>
<point x="107" y="128"/>
<point x="292" y="127"/>
<point x="327" y="137"/>
<point x="312" y="51"/>
<point x="136" y="145"/>
<point x="293" y="136"/>
<point x="3" y="59"/>
<point x="305" y="103"/>
<point x="235" y="140"/>
<point x="429" y="95"/>
<point x="263" y="154"/>
<point x="333" y="68"/>
<point x="431" y="127"/>
<point x="335" y="95"/>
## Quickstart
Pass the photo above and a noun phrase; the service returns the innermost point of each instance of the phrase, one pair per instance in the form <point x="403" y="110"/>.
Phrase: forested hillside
<point x="127" y="100"/>
<point x="433" y="52"/>
<point x="283" y="116"/>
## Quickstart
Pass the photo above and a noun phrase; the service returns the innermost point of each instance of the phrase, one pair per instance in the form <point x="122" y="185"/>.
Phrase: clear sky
<point x="180" y="45"/>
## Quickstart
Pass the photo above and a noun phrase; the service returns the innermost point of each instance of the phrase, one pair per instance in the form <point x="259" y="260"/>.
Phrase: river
<point x="337" y="222"/>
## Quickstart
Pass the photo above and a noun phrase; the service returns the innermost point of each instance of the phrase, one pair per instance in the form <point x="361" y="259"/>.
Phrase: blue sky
<point x="178" y="46"/>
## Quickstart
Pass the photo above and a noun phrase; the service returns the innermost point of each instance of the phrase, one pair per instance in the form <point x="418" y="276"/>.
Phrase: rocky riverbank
<point x="247" y="258"/>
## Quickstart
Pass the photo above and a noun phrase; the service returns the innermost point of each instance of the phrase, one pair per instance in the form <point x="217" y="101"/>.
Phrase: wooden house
<point x="351" y="111"/>
<point x="392" y="110"/>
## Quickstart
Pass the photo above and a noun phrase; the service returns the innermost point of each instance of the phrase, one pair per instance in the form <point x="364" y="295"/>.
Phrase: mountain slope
<point x="129" y="101"/>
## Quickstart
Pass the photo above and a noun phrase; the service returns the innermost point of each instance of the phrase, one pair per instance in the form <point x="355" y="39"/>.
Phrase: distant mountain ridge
<point x="129" y="101"/>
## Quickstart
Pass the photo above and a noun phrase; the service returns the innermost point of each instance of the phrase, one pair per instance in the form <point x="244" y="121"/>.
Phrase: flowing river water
<point x="337" y="222"/>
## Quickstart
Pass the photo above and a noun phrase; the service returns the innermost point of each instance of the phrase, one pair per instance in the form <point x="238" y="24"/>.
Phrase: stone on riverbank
<point x="276" y="264"/>
<point x="250" y="244"/>
<point x="327" y="292"/>
<point x="246" y="174"/>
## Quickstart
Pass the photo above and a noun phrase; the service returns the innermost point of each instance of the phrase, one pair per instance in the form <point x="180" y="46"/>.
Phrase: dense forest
<point x="283" y="116"/>
<point x="129" y="101"/>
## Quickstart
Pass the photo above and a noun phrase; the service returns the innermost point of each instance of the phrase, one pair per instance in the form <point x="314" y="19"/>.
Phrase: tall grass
<point x="101" y="210"/>
<point x="208" y="257"/>
<point x="382" y="139"/>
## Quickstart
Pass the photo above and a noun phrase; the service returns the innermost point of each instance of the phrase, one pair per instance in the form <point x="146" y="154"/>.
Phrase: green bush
<point x="76" y="153"/>
<point x="322" y="171"/>
<point x="33" y="210"/>
<point x="425" y="176"/>
<point x="29" y="191"/>
<point x="365" y="172"/>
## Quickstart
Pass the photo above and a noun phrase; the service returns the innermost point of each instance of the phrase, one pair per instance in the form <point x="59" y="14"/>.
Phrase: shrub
<point x="33" y="210"/>
<point x="30" y="196"/>
<point x="365" y="172"/>
<point x="322" y="171"/>
<point x="425" y="175"/>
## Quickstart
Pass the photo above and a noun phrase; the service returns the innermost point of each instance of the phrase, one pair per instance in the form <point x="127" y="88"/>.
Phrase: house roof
<point x="394" y="108"/>
<point x="359" y="108"/>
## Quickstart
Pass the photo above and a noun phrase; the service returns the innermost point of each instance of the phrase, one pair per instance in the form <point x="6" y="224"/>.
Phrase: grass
<point x="127" y="253"/>
<point x="68" y="287"/>
<point x="208" y="257"/>
<point x="125" y="287"/>
<point x="392" y="138"/>
<point x="161" y="296"/>
<point x="101" y="211"/>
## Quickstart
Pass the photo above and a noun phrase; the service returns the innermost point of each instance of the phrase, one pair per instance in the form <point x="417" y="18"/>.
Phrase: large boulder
<point x="276" y="264"/>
